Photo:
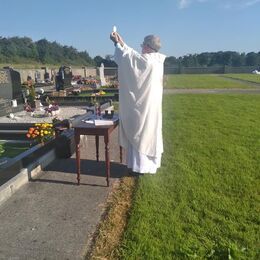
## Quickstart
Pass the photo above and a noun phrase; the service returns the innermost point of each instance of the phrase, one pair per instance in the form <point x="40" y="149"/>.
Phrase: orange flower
<point x="41" y="132"/>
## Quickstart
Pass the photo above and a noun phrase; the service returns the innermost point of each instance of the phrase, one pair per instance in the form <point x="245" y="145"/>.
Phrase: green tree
<point x="204" y="59"/>
<point x="98" y="60"/>
<point x="252" y="59"/>
<point x="171" y="62"/>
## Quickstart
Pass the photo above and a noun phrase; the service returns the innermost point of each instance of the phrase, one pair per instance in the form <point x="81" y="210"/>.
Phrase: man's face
<point x="145" y="49"/>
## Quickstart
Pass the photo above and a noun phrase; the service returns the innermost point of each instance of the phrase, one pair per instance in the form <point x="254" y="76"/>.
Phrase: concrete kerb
<point x="25" y="175"/>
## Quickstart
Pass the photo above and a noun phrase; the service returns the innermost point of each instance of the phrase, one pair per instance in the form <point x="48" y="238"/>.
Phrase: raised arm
<point x="124" y="53"/>
<point x="116" y="38"/>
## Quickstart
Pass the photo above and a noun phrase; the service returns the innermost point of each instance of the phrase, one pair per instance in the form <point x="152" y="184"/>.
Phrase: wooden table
<point x="83" y="128"/>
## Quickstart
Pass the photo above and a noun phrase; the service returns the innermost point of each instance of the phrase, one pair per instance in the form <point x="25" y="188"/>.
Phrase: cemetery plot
<point x="12" y="148"/>
<point x="33" y="124"/>
<point x="15" y="150"/>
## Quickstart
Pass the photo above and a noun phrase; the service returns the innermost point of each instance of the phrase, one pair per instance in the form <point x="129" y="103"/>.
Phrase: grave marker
<point x="102" y="75"/>
<point x="10" y="84"/>
<point x="10" y="91"/>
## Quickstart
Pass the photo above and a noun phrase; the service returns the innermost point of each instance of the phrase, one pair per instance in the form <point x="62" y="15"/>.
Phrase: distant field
<point x="201" y="81"/>
<point x="247" y="77"/>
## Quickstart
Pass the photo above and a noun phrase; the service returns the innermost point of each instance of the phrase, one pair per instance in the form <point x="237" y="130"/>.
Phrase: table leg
<point x="106" y="138"/>
<point x="77" y="143"/>
<point x="97" y="148"/>
<point x="121" y="159"/>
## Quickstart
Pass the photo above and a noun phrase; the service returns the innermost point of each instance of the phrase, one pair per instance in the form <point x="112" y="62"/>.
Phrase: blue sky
<point x="185" y="26"/>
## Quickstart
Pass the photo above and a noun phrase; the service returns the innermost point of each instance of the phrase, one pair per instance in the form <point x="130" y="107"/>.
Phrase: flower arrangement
<point x="100" y="93"/>
<point x="41" y="132"/>
<point x="28" y="108"/>
<point x="52" y="110"/>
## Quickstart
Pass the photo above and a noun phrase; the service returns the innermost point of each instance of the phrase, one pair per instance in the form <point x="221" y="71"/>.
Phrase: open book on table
<point x="99" y="121"/>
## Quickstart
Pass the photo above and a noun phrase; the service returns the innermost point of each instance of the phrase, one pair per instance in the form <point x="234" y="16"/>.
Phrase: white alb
<point x="140" y="110"/>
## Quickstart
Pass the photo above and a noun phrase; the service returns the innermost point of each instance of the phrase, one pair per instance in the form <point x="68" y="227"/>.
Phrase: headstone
<point x="11" y="97"/>
<point x="37" y="76"/>
<point x="10" y="85"/>
<point x="46" y="76"/>
<point x="102" y="75"/>
<point x="63" y="78"/>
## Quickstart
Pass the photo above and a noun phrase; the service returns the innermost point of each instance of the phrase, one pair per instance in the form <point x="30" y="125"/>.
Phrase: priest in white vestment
<point x="140" y="102"/>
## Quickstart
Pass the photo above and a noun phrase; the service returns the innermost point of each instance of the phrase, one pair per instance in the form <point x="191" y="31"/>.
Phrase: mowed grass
<point x="204" y="201"/>
<point x="201" y="81"/>
<point x="247" y="77"/>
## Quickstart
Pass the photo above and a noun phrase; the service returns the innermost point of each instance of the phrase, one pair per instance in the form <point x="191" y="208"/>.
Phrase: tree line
<point x="25" y="50"/>
<point x="221" y="58"/>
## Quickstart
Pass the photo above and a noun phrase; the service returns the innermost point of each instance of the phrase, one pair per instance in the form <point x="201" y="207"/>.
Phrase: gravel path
<point x="66" y="112"/>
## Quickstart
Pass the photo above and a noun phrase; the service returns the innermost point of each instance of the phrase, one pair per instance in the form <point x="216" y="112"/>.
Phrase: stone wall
<point x="209" y="70"/>
<point x="84" y="72"/>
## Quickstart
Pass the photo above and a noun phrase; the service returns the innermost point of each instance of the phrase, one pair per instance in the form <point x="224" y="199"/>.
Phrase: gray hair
<point x="153" y="42"/>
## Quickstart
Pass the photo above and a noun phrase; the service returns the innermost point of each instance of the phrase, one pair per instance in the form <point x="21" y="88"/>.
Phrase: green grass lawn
<point x="201" y="81"/>
<point x="12" y="149"/>
<point x="247" y="77"/>
<point x="202" y="204"/>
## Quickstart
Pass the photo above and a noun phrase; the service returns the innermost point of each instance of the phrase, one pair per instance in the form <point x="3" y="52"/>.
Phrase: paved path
<point x="211" y="91"/>
<point x="51" y="217"/>
<point x="248" y="82"/>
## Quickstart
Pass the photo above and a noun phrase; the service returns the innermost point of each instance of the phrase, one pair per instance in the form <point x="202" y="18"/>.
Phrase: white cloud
<point x="227" y="4"/>
<point x="184" y="3"/>
<point x="249" y="3"/>
<point x="239" y="4"/>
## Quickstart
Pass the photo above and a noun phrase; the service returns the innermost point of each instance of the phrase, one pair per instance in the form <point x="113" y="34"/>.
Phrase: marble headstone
<point x="102" y="75"/>
<point x="10" y="85"/>
<point x="10" y="91"/>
